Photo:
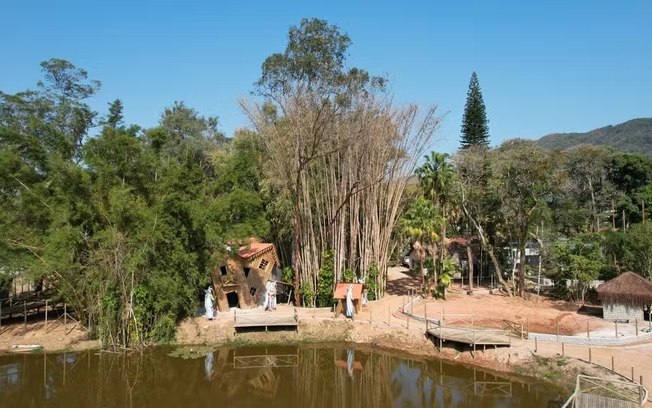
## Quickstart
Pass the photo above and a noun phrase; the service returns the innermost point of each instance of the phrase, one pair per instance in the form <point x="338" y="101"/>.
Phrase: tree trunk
<point x="296" y="255"/>
<point x="490" y="249"/>
<point x="469" y="257"/>
<point x="521" y="268"/>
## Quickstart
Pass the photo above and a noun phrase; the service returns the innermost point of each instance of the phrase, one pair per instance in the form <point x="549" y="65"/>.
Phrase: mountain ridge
<point x="632" y="136"/>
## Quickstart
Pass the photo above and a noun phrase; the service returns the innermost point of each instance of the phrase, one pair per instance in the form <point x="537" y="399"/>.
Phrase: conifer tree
<point x="475" y="128"/>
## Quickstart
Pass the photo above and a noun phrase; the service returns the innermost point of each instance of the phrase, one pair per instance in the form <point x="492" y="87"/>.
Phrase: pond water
<point x="265" y="377"/>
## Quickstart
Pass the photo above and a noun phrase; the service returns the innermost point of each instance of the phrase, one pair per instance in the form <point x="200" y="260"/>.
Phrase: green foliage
<point x="580" y="259"/>
<point x="124" y="225"/>
<point x="287" y="276"/>
<point x="445" y="278"/>
<point x="420" y="222"/>
<point x="307" y="294"/>
<point x="373" y="274"/>
<point x="315" y="56"/>
<point x="326" y="279"/>
<point x="475" y="127"/>
<point x="349" y="276"/>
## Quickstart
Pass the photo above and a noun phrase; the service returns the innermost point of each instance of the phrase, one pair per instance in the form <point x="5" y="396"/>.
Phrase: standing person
<point x="208" y="302"/>
<point x="349" y="302"/>
<point x="272" y="295"/>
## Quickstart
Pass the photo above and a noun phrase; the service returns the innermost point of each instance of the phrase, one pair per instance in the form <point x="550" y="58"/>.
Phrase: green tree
<point x="420" y="224"/>
<point x="580" y="259"/>
<point x="436" y="178"/>
<point x="475" y="126"/>
<point x="524" y="177"/>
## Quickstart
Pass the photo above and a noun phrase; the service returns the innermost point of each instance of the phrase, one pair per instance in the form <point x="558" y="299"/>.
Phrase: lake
<point x="265" y="377"/>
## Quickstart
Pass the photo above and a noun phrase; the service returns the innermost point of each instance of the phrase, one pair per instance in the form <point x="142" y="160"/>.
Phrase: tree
<point x="436" y="180"/>
<point x="420" y="224"/>
<point x="338" y="150"/>
<point x="475" y="128"/>
<point x="115" y="118"/>
<point x="479" y="202"/>
<point x="579" y="259"/>
<point x="524" y="176"/>
<point x="586" y="168"/>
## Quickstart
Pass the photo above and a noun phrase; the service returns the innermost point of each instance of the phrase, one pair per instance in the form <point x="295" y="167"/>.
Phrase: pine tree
<point x="475" y="128"/>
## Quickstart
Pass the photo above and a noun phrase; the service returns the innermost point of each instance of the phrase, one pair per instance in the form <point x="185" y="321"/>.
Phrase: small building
<point x="240" y="280"/>
<point x="624" y="297"/>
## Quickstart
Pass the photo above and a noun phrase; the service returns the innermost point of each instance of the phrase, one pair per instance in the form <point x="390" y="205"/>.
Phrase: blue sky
<point x="544" y="67"/>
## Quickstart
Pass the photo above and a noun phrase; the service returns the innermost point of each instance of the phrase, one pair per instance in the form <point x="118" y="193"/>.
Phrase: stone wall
<point x="621" y="312"/>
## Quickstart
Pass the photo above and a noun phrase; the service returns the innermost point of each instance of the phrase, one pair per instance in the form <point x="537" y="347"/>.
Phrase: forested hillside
<point x="633" y="136"/>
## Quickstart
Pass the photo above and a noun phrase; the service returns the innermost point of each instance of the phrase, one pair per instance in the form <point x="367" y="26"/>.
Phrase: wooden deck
<point x="472" y="336"/>
<point x="265" y="320"/>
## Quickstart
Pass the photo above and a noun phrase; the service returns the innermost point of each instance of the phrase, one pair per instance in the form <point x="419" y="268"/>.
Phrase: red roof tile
<point x="254" y="249"/>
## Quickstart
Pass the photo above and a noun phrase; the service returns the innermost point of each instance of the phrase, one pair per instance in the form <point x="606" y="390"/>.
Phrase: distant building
<point x="240" y="280"/>
<point x="625" y="297"/>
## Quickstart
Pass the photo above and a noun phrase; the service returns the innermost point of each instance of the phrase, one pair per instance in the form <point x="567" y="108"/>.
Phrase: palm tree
<point x="436" y="177"/>
<point x="420" y="224"/>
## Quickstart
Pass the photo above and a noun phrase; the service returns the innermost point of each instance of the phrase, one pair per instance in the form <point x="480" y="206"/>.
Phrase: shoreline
<point x="516" y="361"/>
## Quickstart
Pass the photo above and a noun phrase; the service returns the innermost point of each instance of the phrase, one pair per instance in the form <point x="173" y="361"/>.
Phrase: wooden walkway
<point x="472" y="336"/>
<point x="265" y="320"/>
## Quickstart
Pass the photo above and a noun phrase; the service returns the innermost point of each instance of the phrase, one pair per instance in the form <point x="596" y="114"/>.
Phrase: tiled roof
<point x="254" y="249"/>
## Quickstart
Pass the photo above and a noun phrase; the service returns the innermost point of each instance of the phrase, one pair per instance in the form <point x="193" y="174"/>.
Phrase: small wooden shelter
<point x="340" y="295"/>
<point x="624" y="297"/>
<point x="240" y="280"/>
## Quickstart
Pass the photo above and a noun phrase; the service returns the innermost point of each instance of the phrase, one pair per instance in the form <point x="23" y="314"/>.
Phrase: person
<point x="270" y="293"/>
<point x="208" y="366"/>
<point x="208" y="302"/>
<point x="363" y="301"/>
<point x="349" y="302"/>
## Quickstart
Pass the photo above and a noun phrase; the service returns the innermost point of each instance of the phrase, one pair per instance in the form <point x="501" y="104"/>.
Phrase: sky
<point x="543" y="67"/>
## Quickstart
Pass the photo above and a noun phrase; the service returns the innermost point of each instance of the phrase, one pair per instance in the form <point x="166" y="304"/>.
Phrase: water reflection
<point x="258" y="376"/>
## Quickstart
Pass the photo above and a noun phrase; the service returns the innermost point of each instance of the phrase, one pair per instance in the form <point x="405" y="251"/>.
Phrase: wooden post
<point x="521" y="330"/>
<point x="589" y="355"/>
<point x="65" y="317"/>
<point x="640" y="380"/>
<point x="562" y="350"/>
<point x="425" y="314"/>
<point x="25" y="312"/>
<point x="633" y="374"/>
<point x="612" y="364"/>
<point x="535" y="345"/>
<point x="527" y="325"/>
<point x="46" y="315"/>
<point x="616" y="326"/>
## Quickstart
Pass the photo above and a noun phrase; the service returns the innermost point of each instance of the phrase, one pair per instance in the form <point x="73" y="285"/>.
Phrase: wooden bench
<point x="265" y="319"/>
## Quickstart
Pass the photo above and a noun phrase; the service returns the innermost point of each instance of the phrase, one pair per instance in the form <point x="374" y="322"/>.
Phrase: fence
<point x="594" y="391"/>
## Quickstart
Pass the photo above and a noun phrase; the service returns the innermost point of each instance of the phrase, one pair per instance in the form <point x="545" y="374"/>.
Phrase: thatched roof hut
<point x="624" y="297"/>
<point x="628" y="288"/>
